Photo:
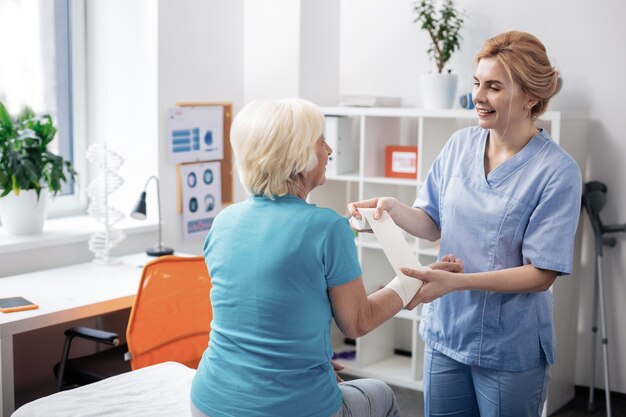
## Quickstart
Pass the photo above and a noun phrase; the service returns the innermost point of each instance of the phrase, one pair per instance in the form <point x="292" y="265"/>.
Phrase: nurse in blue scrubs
<point x="506" y="199"/>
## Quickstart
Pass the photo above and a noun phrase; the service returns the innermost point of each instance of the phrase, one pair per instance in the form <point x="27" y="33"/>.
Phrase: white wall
<point x="122" y="92"/>
<point x="200" y="58"/>
<point x="383" y="52"/>
<point x="291" y="50"/>
<point x="271" y="49"/>
<point x="319" y="51"/>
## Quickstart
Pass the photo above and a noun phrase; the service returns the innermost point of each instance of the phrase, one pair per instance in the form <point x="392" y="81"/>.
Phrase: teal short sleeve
<point x="341" y="264"/>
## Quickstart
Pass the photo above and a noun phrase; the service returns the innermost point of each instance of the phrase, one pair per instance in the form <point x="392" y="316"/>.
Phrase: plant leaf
<point x="5" y="118"/>
<point x="25" y="162"/>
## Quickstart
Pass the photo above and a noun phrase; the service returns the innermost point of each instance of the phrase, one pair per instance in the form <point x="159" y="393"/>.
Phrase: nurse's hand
<point x="438" y="281"/>
<point x="380" y="204"/>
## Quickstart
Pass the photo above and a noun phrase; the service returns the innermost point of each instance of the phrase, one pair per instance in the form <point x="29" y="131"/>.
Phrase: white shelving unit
<point x="394" y="351"/>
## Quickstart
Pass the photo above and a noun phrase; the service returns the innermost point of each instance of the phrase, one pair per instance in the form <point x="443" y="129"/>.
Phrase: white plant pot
<point x="22" y="214"/>
<point x="438" y="90"/>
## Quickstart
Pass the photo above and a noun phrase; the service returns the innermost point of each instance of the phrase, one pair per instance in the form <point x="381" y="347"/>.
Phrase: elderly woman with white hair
<point x="281" y="269"/>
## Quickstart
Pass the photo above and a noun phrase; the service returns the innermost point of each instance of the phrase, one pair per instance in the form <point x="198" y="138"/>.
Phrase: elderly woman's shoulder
<point x="231" y="211"/>
<point x="327" y="216"/>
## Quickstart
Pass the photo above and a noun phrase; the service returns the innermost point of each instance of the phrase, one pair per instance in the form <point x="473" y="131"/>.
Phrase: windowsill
<point x="68" y="230"/>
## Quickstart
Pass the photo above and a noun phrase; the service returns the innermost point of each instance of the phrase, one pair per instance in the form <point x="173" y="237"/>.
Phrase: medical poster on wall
<point x="201" y="193"/>
<point x="195" y="134"/>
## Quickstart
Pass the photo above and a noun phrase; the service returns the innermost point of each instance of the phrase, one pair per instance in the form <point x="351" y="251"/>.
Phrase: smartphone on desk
<point x="11" y="304"/>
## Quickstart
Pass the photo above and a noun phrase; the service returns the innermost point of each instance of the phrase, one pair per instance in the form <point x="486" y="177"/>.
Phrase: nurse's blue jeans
<point x="453" y="389"/>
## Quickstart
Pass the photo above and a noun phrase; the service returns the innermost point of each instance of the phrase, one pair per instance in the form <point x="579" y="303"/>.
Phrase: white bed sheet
<point x="154" y="391"/>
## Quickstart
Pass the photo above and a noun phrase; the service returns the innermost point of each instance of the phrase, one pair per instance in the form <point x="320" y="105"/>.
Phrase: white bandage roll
<point x="396" y="250"/>
<point x="360" y="224"/>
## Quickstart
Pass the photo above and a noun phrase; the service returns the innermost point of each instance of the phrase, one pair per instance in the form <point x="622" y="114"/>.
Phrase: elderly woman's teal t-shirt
<point x="271" y="263"/>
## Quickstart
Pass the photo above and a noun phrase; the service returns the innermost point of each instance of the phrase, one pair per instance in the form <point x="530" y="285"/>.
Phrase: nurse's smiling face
<point x="499" y="101"/>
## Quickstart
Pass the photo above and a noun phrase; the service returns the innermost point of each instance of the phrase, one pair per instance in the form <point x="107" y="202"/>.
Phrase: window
<point x="42" y="65"/>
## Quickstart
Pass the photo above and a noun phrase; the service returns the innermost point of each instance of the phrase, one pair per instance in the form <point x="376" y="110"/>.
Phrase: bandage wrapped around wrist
<point x="396" y="249"/>
<point x="405" y="287"/>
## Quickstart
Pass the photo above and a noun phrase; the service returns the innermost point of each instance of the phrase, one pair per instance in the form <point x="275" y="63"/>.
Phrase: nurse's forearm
<point x="525" y="278"/>
<point x="415" y="221"/>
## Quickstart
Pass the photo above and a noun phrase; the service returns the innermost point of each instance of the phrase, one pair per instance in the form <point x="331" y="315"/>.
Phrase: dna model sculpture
<point x="106" y="182"/>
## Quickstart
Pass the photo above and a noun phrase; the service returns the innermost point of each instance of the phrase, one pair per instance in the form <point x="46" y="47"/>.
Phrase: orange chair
<point x="169" y="321"/>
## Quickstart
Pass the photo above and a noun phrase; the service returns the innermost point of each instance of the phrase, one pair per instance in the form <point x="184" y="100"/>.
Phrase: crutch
<point x="594" y="199"/>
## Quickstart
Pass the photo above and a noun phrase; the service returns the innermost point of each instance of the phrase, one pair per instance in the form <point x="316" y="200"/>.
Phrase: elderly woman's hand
<point x="440" y="280"/>
<point x="337" y="367"/>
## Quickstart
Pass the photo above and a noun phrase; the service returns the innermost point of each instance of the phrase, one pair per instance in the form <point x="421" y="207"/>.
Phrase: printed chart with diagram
<point x="201" y="198"/>
<point x="195" y="134"/>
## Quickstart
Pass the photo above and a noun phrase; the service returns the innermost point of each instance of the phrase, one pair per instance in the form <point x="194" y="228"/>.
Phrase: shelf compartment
<point x="427" y="248"/>
<point x="368" y="240"/>
<point x="392" y="181"/>
<point x="410" y="112"/>
<point x="431" y="251"/>
<point x="335" y="195"/>
<point x="434" y="252"/>
<point x="350" y="177"/>
<point x="345" y="348"/>
<point x="377" y="271"/>
<point x="404" y="192"/>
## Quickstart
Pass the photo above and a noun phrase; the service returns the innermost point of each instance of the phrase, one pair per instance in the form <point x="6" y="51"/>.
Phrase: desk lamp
<point x="139" y="213"/>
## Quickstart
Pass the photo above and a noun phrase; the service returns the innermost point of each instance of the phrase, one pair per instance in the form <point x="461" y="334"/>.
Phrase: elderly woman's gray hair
<point x="274" y="141"/>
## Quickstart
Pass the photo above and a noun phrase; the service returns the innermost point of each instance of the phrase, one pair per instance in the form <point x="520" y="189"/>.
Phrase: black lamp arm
<point x="158" y="188"/>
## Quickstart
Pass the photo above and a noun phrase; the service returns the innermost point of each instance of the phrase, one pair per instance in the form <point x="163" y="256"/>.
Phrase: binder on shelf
<point x="338" y="135"/>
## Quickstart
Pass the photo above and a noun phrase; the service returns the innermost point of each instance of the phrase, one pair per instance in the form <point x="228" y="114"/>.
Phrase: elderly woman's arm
<point x="357" y="314"/>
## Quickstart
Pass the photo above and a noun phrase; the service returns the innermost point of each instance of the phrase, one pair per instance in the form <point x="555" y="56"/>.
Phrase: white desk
<point x="63" y="294"/>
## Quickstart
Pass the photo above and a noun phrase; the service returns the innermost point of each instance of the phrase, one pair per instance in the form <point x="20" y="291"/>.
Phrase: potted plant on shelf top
<point x="443" y="27"/>
<point x="27" y="168"/>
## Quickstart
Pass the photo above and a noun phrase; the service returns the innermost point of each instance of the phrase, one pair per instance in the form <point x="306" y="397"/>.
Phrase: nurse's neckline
<point x="491" y="176"/>
<point x="521" y="144"/>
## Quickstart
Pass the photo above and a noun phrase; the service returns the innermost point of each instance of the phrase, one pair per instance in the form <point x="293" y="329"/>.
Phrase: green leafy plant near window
<point x="25" y="162"/>
<point x="443" y="27"/>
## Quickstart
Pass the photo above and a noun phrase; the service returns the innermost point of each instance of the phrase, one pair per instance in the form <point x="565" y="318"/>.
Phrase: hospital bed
<point x="154" y="391"/>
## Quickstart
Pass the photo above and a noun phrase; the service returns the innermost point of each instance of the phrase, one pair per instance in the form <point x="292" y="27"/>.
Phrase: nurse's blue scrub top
<point x="524" y="212"/>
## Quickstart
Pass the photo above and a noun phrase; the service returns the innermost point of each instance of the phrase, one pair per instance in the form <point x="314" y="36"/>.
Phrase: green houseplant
<point x="27" y="166"/>
<point x="443" y="27"/>
<point x="25" y="161"/>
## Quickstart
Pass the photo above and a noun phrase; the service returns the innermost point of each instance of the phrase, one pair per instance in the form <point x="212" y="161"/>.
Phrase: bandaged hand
<point x="408" y="284"/>
<point x="405" y="286"/>
<point x="438" y="281"/>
